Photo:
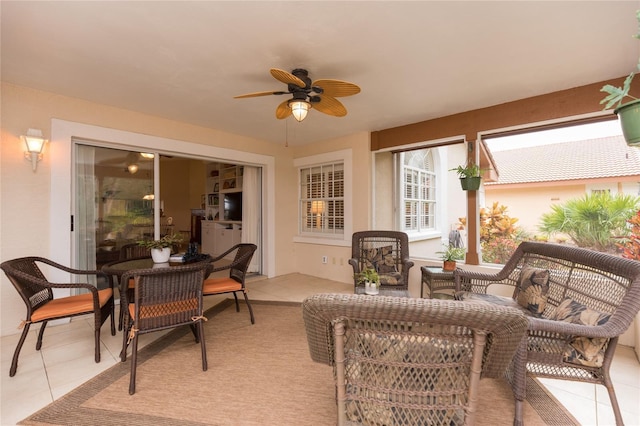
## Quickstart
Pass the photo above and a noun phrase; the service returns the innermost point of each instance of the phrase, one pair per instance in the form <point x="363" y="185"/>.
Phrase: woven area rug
<point x="258" y="374"/>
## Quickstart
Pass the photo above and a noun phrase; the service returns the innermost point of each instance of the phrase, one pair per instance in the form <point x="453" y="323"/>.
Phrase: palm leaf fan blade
<point x="330" y="106"/>
<point x="283" y="110"/>
<point x="255" y="94"/>
<point x="286" y="77"/>
<point x="337" y="88"/>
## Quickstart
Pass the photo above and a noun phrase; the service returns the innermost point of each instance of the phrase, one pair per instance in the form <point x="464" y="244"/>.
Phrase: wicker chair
<point x="580" y="282"/>
<point x="36" y="292"/>
<point x="133" y="251"/>
<point x="163" y="298"/>
<point x="409" y="361"/>
<point x="237" y="274"/>
<point x="385" y="251"/>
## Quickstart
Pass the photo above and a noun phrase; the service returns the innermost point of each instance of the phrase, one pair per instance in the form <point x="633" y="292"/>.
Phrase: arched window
<point x="418" y="195"/>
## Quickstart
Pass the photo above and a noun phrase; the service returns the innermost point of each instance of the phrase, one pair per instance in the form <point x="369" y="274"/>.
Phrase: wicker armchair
<point x="237" y="274"/>
<point x="163" y="298"/>
<point x="582" y="285"/>
<point x="385" y="251"/>
<point x="36" y="292"/>
<point x="409" y="361"/>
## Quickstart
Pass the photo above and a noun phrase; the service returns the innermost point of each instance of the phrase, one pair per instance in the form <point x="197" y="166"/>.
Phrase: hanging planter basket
<point x="470" y="183"/>
<point x="629" y="115"/>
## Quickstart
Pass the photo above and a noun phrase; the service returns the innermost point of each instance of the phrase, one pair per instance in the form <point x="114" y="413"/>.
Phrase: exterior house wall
<point x="528" y="203"/>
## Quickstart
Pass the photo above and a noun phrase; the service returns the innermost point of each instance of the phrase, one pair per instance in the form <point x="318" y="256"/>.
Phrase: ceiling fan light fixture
<point x="132" y="168"/>
<point x="299" y="109"/>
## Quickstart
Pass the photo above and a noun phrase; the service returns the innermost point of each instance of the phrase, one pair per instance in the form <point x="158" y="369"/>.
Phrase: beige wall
<point x="25" y="197"/>
<point x="182" y="182"/>
<point x="309" y="256"/>
<point x="527" y="204"/>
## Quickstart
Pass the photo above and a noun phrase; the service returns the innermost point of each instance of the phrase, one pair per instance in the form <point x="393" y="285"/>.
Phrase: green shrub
<point x="592" y="221"/>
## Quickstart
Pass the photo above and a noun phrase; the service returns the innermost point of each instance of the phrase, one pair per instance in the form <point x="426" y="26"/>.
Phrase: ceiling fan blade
<point x="337" y="88"/>
<point x="283" y="110"/>
<point x="331" y="106"/>
<point x="287" y="77"/>
<point x="253" y="95"/>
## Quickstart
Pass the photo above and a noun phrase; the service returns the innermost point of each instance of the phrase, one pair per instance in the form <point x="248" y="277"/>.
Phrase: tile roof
<point x="585" y="159"/>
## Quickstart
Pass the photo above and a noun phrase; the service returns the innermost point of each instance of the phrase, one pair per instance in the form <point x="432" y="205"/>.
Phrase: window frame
<point x="403" y="170"/>
<point x="343" y="157"/>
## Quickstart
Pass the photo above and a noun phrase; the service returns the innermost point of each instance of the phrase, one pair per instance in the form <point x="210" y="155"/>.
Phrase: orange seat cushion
<point x="220" y="285"/>
<point x="72" y="305"/>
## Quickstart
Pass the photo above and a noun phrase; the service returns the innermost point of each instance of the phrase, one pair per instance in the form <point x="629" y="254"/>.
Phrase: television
<point x="233" y="206"/>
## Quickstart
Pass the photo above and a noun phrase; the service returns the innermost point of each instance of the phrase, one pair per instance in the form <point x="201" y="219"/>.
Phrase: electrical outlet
<point x="324" y="259"/>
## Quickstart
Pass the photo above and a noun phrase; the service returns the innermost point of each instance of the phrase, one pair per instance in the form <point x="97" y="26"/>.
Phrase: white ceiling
<point x="413" y="60"/>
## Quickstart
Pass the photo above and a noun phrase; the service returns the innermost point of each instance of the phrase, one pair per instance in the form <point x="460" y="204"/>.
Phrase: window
<point x="322" y="198"/>
<point x="418" y="191"/>
<point x="554" y="185"/>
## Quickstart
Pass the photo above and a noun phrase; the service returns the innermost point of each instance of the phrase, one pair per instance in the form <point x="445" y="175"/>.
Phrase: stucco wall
<point x="25" y="197"/>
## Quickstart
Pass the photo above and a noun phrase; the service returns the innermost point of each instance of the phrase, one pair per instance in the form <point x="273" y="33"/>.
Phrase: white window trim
<point x="345" y="156"/>
<point x="61" y="147"/>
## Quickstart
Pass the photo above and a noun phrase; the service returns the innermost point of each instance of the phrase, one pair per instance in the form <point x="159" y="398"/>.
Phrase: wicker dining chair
<point x="409" y="361"/>
<point x="586" y="300"/>
<point x="235" y="282"/>
<point x="36" y="292"/>
<point x="385" y="251"/>
<point x="163" y="298"/>
<point x="133" y="251"/>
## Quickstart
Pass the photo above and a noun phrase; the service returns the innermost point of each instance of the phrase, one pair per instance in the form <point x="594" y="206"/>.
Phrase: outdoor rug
<point x="258" y="374"/>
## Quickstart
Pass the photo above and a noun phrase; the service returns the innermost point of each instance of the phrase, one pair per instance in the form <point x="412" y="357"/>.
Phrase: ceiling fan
<point x="320" y="94"/>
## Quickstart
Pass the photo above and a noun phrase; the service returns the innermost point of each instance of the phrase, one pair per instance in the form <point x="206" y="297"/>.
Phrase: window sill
<point x="421" y="236"/>
<point x="323" y="240"/>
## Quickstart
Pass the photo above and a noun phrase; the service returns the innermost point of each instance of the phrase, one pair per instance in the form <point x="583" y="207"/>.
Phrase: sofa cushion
<point x="533" y="287"/>
<point x="582" y="350"/>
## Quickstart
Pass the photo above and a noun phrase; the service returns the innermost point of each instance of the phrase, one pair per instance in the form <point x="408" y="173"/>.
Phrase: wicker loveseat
<point x="581" y="303"/>
<point x="409" y="361"/>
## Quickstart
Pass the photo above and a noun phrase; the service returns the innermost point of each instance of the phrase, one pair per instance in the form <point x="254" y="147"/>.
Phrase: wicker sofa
<point x="409" y="361"/>
<point x="577" y="301"/>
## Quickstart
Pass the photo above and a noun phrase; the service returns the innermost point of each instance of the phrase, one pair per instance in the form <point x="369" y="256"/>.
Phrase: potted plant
<point x="628" y="113"/>
<point x="450" y="255"/>
<point x="469" y="176"/>
<point x="371" y="280"/>
<point x="161" y="249"/>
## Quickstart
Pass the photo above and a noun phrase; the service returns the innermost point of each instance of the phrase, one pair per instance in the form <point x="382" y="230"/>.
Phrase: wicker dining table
<point x="118" y="268"/>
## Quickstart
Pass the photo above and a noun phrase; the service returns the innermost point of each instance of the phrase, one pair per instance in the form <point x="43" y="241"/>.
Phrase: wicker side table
<point x="437" y="280"/>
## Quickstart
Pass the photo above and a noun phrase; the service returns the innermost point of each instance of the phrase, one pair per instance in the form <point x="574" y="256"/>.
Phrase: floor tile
<point x="67" y="359"/>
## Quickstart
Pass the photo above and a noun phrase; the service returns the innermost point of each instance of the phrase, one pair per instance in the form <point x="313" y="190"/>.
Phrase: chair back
<point x="241" y="261"/>
<point x="167" y="296"/>
<point x="133" y="251"/>
<point x="409" y="361"/>
<point x="29" y="281"/>
<point x="385" y="251"/>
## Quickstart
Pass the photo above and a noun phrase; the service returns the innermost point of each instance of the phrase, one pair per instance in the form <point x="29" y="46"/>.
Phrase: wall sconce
<point x="34" y="142"/>
<point x="299" y="109"/>
<point x="317" y="208"/>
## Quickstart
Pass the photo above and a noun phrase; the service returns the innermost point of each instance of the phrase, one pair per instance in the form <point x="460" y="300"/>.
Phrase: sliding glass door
<point x="114" y="202"/>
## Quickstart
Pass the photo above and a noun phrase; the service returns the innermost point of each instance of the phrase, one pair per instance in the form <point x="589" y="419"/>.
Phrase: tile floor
<point x="66" y="361"/>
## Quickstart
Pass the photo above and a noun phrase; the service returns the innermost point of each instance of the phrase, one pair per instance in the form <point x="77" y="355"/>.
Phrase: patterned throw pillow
<point x="533" y="288"/>
<point x="583" y="350"/>
<point x="383" y="261"/>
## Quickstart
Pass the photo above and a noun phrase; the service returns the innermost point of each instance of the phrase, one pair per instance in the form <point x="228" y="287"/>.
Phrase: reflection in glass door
<point x="114" y="202"/>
